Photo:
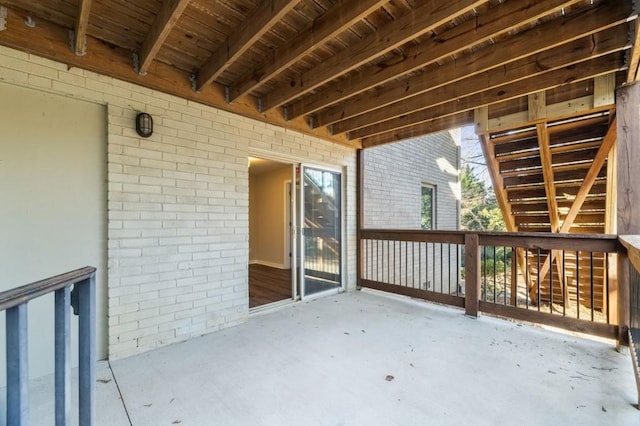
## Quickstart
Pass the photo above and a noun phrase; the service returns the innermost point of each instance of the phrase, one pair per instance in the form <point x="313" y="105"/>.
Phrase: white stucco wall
<point x="177" y="203"/>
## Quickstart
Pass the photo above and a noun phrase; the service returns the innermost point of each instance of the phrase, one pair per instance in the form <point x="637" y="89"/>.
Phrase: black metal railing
<point x="83" y="300"/>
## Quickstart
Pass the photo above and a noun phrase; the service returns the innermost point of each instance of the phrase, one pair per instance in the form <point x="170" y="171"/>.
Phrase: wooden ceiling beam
<point x="105" y="59"/>
<point x="609" y="41"/>
<point x="82" y="22"/>
<point x="336" y="20"/>
<point x="167" y="18"/>
<point x="549" y="35"/>
<point x="500" y="19"/>
<point x="430" y="127"/>
<point x="414" y="24"/>
<point x="260" y="21"/>
<point x="542" y="81"/>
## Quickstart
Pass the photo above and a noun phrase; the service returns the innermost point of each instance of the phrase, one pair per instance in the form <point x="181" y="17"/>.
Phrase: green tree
<point x="480" y="211"/>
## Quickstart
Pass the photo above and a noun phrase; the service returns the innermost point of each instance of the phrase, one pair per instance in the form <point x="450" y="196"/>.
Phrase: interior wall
<point x="52" y="206"/>
<point x="267" y="217"/>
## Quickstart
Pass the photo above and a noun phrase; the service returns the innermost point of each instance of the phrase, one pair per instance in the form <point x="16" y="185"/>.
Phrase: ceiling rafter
<point x="337" y="20"/>
<point x="429" y="127"/>
<point x="82" y="22"/>
<point x="167" y="18"/>
<point x="261" y="20"/>
<point x="542" y="81"/>
<point x="609" y="41"/>
<point x="549" y="35"/>
<point x="500" y="19"/>
<point x="418" y="22"/>
<point x="105" y="59"/>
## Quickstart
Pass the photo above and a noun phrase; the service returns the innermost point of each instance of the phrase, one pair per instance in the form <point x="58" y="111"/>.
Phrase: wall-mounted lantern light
<point x="144" y="124"/>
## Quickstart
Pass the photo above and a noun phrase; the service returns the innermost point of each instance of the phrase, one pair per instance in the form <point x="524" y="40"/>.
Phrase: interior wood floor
<point x="268" y="285"/>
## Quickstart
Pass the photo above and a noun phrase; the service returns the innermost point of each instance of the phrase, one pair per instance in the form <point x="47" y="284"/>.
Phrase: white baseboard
<point x="269" y="264"/>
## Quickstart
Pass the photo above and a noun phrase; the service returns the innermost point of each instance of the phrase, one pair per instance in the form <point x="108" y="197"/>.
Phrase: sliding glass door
<point x="321" y="222"/>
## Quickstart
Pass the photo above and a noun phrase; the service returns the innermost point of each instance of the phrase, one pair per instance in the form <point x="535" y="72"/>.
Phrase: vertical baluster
<point x="538" y="279"/>
<point x="484" y="273"/>
<point x="591" y="282"/>
<point x="17" y="366"/>
<point x="551" y="282"/>
<point x="87" y="350"/>
<point x="526" y="278"/>
<point x="578" y="283"/>
<point x="565" y="293"/>
<point x="457" y="270"/>
<point x="494" y="275"/>
<point x="606" y="291"/>
<point x="441" y="271"/>
<point x="63" y="356"/>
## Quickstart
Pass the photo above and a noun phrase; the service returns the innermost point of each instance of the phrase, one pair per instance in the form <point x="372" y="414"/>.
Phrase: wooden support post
<point x="604" y="90"/>
<point x="628" y="176"/>
<point x="481" y="119"/>
<point x="471" y="274"/>
<point x="537" y="105"/>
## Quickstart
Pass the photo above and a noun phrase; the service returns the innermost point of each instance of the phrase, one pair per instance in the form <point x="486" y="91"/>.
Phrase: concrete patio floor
<point x="364" y="359"/>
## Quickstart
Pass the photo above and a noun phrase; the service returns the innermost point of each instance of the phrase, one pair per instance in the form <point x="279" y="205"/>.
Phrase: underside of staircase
<point x="558" y="175"/>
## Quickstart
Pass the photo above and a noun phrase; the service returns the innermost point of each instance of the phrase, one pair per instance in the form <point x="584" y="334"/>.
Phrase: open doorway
<point x="270" y="232"/>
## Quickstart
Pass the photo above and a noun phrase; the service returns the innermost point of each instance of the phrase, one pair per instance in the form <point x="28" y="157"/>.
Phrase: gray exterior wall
<point x="393" y="178"/>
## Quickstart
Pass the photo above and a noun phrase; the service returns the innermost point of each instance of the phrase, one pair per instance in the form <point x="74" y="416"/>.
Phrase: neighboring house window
<point x="428" y="206"/>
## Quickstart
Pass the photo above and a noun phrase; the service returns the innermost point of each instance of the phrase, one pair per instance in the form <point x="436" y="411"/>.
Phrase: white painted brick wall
<point x="178" y="203"/>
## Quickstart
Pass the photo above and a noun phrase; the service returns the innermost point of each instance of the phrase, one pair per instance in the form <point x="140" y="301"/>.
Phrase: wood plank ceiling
<point x="356" y="72"/>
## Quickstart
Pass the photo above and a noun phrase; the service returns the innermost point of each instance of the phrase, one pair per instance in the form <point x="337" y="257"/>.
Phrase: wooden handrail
<point x="530" y="240"/>
<point x="19" y="295"/>
<point x="632" y="244"/>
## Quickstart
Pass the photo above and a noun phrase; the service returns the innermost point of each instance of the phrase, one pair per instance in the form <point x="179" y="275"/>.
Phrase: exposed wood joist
<point x="104" y="59"/>
<point x="608" y="41"/>
<point x="547" y="36"/>
<point x="611" y="41"/>
<point x="418" y="22"/>
<point x="543" y="81"/>
<point x="82" y="22"/>
<point x="167" y="18"/>
<point x="587" y="184"/>
<point x="337" y="20"/>
<point x="430" y="127"/>
<point x="500" y="19"/>
<point x="261" y="20"/>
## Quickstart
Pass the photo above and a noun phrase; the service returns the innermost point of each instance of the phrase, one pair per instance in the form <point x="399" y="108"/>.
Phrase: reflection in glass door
<point x="321" y="231"/>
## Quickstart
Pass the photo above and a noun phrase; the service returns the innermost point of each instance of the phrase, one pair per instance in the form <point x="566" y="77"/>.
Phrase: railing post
<point x="63" y="356"/>
<point x="17" y="366"/>
<point x="623" y="301"/>
<point x="87" y="350"/>
<point x="471" y="274"/>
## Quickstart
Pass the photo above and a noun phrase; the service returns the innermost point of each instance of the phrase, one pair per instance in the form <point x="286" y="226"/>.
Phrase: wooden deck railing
<point x="83" y="301"/>
<point x="632" y="244"/>
<point x="560" y="280"/>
